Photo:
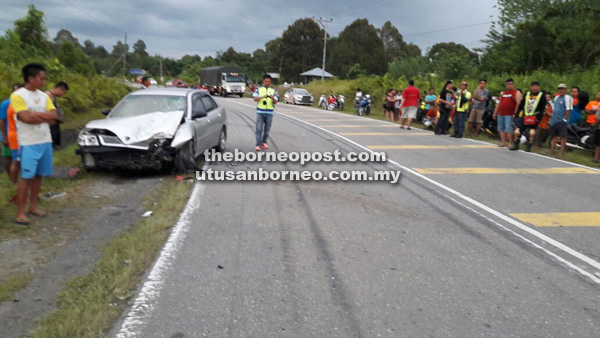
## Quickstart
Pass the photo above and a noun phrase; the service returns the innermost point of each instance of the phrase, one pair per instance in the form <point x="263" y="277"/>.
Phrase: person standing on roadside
<point x="397" y="105"/>
<point x="563" y="106"/>
<point x="357" y="99"/>
<point x="146" y="82"/>
<point x="5" y="152"/>
<point x="463" y="99"/>
<point x="410" y="104"/>
<point x="430" y="99"/>
<point x="529" y="113"/>
<point x="597" y="137"/>
<point x="505" y="110"/>
<point x="267" y="99"/>
<point x="13" y="144"/>
<point x="390" y="104"/>
<point x="59" y="90"/>
<point x="541" y="134"/>
<point x="591" y="109"/>
<point x="480" y="100"/>
<point x="446" y="102"/>
<point x="575" y="116"/>
<point x="35" y="112"/>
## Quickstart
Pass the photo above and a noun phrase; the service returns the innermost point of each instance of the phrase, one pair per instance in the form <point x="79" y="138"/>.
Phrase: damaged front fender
<point x="184" y="133"/>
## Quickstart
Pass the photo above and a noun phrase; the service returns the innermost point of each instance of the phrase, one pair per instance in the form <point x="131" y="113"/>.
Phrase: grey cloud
<point x="178" y="27"/>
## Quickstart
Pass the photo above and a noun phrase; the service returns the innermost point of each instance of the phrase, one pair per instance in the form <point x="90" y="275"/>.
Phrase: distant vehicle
<point x="169" y="84"/>
<point x="224" y="80"/>
<point x="153" y="82"/>
<point x="298" y="96"/>
<point x="157" y="128"/>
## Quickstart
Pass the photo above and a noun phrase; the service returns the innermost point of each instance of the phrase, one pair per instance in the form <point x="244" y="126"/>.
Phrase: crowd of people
<point x="29" y="130"/>
<point x="536" y="117"/>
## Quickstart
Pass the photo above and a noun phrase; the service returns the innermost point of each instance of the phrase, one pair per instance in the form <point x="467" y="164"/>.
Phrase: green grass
<point x="13" y="284"/>
<point x="88" y="305"/>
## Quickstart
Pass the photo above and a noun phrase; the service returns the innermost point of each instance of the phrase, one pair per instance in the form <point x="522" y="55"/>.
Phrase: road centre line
<point x="560" y="246"/>
<point x="561" y="219"/>
<point x="529" y="171"/>
<point x="357" y="125"/>
<point x="426" y="146"/>
<point x="385" y="134"/>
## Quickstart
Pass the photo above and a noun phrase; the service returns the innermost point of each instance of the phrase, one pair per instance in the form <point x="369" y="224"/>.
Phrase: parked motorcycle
<point x="340" y="102"/>
<point x="331" y="103"/>
<point x="364" y="106"/>
<point x="580" y="138"/>
<point x="323" y="102"/>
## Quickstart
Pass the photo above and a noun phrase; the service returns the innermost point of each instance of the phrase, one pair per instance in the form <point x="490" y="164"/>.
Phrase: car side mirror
<point x="105" y="112"/>
<point x="199" y="114"/>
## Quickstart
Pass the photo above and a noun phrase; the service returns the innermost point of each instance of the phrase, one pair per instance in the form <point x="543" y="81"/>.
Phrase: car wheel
<point x="185" y="159"/>
<point x="222" y="141"/>
<point x="241" y="95"/>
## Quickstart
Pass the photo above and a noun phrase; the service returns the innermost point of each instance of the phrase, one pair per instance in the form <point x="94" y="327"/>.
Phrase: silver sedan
<point x="162" y="128"/>
<point x="298" y="96"/>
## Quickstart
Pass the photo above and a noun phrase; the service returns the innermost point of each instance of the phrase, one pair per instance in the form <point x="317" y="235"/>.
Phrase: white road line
<point x="147" y="298"/>
<point x="490" y="210"/>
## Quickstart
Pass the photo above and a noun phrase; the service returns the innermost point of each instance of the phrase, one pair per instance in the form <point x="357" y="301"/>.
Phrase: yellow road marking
<point x="529" y="171"/>
<point x="567" y="219"/>
<point x="359" y="126"/>
<point x="382" y="134"/>
<point x="338" y="120"/>
<point x="422" y="146"/>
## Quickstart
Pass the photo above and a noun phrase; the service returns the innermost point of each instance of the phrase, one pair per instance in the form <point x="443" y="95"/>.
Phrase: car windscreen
<point x="301" y="92"/>
<point x="235" y="77"/>
<point x="135" y="105"/>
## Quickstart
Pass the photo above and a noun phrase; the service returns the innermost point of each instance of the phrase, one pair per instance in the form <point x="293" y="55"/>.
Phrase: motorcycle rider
<point x="529" y="114"/>
<point x="357" y="99"/>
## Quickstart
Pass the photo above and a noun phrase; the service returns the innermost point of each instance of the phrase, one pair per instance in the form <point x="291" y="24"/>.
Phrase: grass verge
<point x="88" y="305"/>
<point x="13" y="284"/>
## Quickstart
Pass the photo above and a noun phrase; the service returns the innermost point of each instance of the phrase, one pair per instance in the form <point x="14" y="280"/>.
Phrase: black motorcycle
<point x="580" y="138"/>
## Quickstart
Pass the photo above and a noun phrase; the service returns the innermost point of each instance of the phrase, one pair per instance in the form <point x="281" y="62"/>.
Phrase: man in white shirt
<point x="34" y="112"/>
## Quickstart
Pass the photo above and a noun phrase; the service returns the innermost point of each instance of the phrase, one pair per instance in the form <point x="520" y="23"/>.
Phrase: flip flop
<point x="22" y="221"/>
<point x="37" y="213"/>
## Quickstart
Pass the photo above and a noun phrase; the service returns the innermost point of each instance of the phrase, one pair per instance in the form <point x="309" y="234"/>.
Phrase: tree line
<point x="529" y="35"/>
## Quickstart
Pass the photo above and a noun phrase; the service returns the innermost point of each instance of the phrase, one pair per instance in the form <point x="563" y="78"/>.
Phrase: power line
<point x="448" y="29"/>
<point x="93" y="17"/>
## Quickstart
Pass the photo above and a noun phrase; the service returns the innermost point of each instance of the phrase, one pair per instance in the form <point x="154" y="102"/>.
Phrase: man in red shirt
<point x="410" y="104"/>
<point x="505" y="110"/>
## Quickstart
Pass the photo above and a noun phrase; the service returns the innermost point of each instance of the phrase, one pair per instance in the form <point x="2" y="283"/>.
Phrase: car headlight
<point x="312" y="98"/>
<point x="86" y="140"/>
<point x="298" y="97"/>
<point x="243" y="88"/>
<point x="228" y="89"/>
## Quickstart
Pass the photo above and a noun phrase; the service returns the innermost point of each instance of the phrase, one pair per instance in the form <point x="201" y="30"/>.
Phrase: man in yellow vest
<point x="463" y="98"/>
<point x="267" y="98"/>
<point x="529" y="114"/>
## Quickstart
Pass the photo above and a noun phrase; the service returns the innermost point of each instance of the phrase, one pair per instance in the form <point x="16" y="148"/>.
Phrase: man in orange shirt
<point x="13" y="143"/>
<point x="591" y="109"/>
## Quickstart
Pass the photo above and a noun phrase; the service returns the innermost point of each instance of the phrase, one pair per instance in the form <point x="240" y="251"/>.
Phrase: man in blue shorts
<point x="35" y="112"/>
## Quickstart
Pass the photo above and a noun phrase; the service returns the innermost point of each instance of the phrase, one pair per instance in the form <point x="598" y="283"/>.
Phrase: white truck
<point x="224" y="80"/>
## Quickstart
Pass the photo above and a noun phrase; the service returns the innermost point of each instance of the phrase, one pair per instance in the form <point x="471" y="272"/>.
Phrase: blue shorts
<point x="505" y="123"/>
<point x="16" y="155"/>
<point x="36" y="160"/>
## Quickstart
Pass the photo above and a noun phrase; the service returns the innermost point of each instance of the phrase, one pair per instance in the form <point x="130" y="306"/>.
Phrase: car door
<point x="215" y="119"/>
<point x="201" y="124"/>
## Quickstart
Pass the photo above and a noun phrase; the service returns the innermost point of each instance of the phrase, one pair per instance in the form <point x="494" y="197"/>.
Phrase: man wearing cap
<point x="529" y="114"/>
<point x="563" y="105"/>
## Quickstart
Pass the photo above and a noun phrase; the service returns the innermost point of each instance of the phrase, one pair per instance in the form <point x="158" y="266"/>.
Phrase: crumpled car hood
<point x="145" y="127"/>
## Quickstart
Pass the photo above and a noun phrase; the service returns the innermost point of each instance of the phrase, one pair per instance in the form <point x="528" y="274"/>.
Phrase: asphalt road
<point x="475" y="241"/>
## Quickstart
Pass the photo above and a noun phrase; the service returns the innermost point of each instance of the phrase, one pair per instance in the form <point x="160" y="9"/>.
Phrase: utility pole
<point x="323" y="23"/>
<point x="162" y="79"/>
<point x="125" y="57"/>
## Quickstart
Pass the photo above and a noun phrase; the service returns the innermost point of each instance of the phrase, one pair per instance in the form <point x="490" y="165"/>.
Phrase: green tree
<point x="301" y="48"/>
<point x="393" y="42"/>
<point x="451" y="48"/>
<point x="355" y="72"/>
<point x="73" y="57"/>
<point x="359" y="43"/>
<point x="31" y="29"/>
<point x="65" y="35"/>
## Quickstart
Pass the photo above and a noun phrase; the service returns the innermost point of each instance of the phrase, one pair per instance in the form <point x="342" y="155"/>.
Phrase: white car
<point x="153" y="82"/>
<point x="298" y="96"/>
<point x="156" y="128"/>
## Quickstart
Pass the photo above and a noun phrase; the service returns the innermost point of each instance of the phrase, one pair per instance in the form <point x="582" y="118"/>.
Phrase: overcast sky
<point x="177" y="27"/>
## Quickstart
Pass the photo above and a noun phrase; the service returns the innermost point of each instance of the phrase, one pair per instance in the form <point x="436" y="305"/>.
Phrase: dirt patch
<point x="67" y="243"/>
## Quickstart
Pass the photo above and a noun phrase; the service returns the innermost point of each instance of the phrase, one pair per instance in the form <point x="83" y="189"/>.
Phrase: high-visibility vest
<point x="463" y="105"/>
<point x="537" y="101"/>
<point x="265" y="104"/>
